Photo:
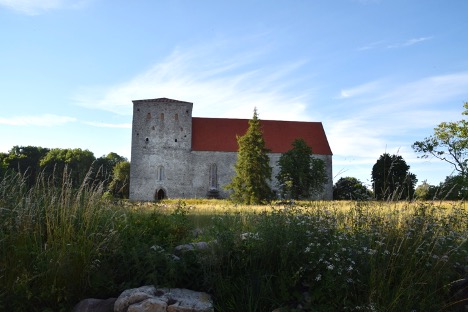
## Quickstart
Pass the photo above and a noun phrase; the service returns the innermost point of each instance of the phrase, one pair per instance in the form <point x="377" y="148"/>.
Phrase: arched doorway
<point x="160" y="194"/>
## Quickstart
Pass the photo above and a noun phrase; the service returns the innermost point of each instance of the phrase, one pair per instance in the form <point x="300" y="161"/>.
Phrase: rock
<point x="131" y="296"/>
<point x="95" y="305"/>
<point x="149" y="305"/>
<point x="150" y="299"/>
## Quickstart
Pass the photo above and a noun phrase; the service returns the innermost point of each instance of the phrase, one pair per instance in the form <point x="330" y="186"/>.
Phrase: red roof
<point x="219" y="134"/>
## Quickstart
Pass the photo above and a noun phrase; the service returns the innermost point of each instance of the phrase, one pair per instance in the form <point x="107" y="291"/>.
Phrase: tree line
<point x="392" y="180"/>
<point x="73" y="166"/>
<point x="301" y="175"/>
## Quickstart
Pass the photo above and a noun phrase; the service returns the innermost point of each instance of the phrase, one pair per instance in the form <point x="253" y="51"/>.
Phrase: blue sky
<point x="379" y="74"/>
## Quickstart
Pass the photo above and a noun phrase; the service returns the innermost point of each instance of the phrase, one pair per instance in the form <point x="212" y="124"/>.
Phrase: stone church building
<point x="175" y="155"/>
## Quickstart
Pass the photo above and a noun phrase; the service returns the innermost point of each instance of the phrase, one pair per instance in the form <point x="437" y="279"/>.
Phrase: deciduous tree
<point x="119" y="187"/>
<point x="103" y="167"/>
<point x="449" y="143"/>
<point x="301" y="175"/>
<point x="350" y="188"/>
<point x="250" y="185"/>
<point x="25" y="159"/>
<point x="76" y="161"/>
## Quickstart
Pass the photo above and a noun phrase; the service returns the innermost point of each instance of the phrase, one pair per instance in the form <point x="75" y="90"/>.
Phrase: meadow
<point x="60" y="244"/>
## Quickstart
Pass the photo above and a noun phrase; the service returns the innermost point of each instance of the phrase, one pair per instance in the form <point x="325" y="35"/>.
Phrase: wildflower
<point x="307" y="249"/>
<point x="318" y="277"/>
<point x="330" y="267"/>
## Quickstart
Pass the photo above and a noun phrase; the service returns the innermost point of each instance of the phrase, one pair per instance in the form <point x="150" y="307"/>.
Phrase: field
<point x="60" y="244"/>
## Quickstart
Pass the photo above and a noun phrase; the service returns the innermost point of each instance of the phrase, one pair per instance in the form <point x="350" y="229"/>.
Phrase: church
<point x="175" y="155"/>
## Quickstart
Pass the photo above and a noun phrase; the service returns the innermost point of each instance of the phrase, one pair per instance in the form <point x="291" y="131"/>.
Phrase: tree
<point x="119" y="187"/>
<point x="391" y="178"/>
<point x="350" y="188"/>
<point x="449" y="143"/>
<point x="3" y="166"/>
<point x="301" y="175"/>
<point x="250" y="185"/>
<point x="26" y="160"/>
<point x="103" y="167"/>
<point x="76" y="161"/>
<point x="425" y="191"/>
<point x="453" y="188"/>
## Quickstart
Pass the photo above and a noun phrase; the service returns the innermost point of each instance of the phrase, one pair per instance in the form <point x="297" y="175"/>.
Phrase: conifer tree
<point x="250" y="185"/>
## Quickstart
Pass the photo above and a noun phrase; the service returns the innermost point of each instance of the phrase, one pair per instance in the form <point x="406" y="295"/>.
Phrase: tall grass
<point x="60" y="243"/>
<point x="51" y="237"/>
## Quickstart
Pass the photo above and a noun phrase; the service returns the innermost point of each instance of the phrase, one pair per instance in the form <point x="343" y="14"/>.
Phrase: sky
<point x="379" y="74"/>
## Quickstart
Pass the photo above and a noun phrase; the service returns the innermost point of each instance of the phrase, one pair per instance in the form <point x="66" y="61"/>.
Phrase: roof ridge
<point x="161" y="100"/>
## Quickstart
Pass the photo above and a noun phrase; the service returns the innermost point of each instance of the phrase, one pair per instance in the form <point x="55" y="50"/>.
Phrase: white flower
<point x="318" y="278"/>
<point x="330" y="267"/>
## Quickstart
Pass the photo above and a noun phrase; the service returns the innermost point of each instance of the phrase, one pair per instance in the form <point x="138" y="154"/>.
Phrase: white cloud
<point x="36" y="7"/>
<point x="46" y="120"/>
<point x="392" y="115"/>
<point x="359" y="90"/>
<point x="218" y="87"/>
<point x="108" y="125"/>
<point x="409" y="42"/>
<point x="383" y="44"/>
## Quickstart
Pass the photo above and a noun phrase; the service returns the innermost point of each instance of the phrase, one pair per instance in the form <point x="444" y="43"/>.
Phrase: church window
<point x="161" y="117"/>
<point x="146" y="140"/>
<point x="213" y="177"/>
<point x="160" y="173"/>
<point x="176" y="117"/>
<point x="175" y="140"/>
<point x="148" y="116"/>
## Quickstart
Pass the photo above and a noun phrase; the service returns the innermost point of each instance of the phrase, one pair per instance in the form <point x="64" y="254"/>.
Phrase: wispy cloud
<point x="218" y="85"/>
<point x="46" y="120"/>
<point x="392" y="115"/>
<point x="108" y="125"/>
<point x="359" y="90"/>
<point x="384" y="44"/>
<point x="36" y="7"/>
<point x="409" y="42"/>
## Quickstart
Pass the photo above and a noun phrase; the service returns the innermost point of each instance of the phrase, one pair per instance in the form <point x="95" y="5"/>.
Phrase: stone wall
<point x="163" y="161"/>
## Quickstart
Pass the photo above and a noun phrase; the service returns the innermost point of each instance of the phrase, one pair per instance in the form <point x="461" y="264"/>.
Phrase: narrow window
<point x="148" y="116"/>
<point x="160" y="173"/>
<point x="176" y="117"/>
<point x="161" y="117"/>
<point x="213" y="177"/>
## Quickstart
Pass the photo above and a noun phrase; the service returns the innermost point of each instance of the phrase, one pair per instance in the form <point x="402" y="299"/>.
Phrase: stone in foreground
<point x="150" y="299"/>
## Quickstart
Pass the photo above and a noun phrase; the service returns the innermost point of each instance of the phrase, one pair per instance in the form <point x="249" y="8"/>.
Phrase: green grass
<point x="62" y="243"/>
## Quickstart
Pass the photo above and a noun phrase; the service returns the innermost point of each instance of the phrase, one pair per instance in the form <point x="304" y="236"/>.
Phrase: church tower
<point x="161" y="145"/>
